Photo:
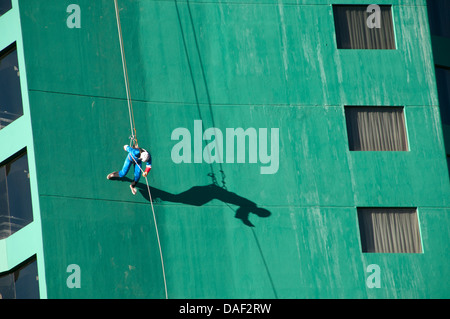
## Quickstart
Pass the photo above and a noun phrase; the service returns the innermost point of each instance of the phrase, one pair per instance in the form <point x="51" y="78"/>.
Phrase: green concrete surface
<point x="231" y="64"/>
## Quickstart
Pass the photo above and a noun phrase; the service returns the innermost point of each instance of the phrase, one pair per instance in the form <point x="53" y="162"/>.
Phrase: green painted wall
<point x="230" y="64"/>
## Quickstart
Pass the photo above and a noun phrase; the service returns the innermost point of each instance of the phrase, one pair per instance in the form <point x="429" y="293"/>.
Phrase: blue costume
<point x="133" y="157"/>
<point x="137" y="157"/>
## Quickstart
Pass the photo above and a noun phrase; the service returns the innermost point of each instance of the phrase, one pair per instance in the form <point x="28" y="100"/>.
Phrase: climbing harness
<point x="133" y="138"/>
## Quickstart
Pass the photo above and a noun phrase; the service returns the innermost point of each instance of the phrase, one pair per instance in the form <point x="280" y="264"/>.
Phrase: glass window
<point x="353" y="31"/>
<point x="15" y="195"/>
<point x="376" y="128"/>
<point x="448" y="162"/>
<point x="10" y="94"/>
<point x="443" y="86"/>
<point x="389" y="230"/>
<point x="5" y="5"/>
<point x="21" y="282"/>
<point x="439" y="17"/>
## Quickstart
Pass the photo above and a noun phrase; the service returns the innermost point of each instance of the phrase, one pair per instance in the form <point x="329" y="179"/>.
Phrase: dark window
<point x="376" y="128"/>
<point x="389" y="230"/>
<point x="5" y="5"/>
<point x="448" y="162"/>
<point x="443" y="86"/>
<point x="354" y="32"/>
<point x="439" y="17"/>
<point x="21" y="282"/>
<point x="15" y="195"/>
<point x="10" y="94"/>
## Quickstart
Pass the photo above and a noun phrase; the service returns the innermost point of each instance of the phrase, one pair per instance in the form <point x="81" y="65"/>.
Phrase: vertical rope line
<point x="157" y="236"/>
<point x="205" y="83"/>
<point x="125" y="75"/>
<point x="134" y="138"/>
<point x="156" y="227"/>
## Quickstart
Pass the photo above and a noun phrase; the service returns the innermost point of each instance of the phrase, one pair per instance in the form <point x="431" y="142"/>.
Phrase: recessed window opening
<point x="438" y="16"/>
<point x="389" y="230"/>
<point x="5" y="6"/>
<point x="22" y="282"/>
<point x="15" y="195"/>
<point x="10" y="93"/>
<point x="357" y="29"/>
<point x="443" y="87"/>
<point x="376" y="128"/>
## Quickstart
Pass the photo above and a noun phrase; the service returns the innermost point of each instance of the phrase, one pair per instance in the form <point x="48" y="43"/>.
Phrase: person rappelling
<point x="136" y="156"/>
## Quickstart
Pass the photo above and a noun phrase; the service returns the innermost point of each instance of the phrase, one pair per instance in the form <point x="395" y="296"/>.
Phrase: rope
<point x="157" y="236"/>
<point x="205" y="83"/>
<point x="156" y="227"/>
<point x="133" y="138"/>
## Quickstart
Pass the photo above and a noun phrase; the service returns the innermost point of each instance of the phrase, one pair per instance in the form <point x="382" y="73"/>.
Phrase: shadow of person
<point x="200" y="195"/>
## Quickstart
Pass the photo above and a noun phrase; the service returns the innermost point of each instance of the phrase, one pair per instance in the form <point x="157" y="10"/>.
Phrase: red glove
<point x="147" y="170"/>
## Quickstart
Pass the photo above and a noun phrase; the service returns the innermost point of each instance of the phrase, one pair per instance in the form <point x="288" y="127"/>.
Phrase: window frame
<point x="336" y="26"/>
<point x="350" y="142"/>
<point x="443" y="72"/>
<point x="13" y="158"/>
<point x="363" y="241"/>
<point x="8" y="6"/>
<point x="436" y="12"/>
<point x="4" y="53"/>
<point x="14" y="274"/>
